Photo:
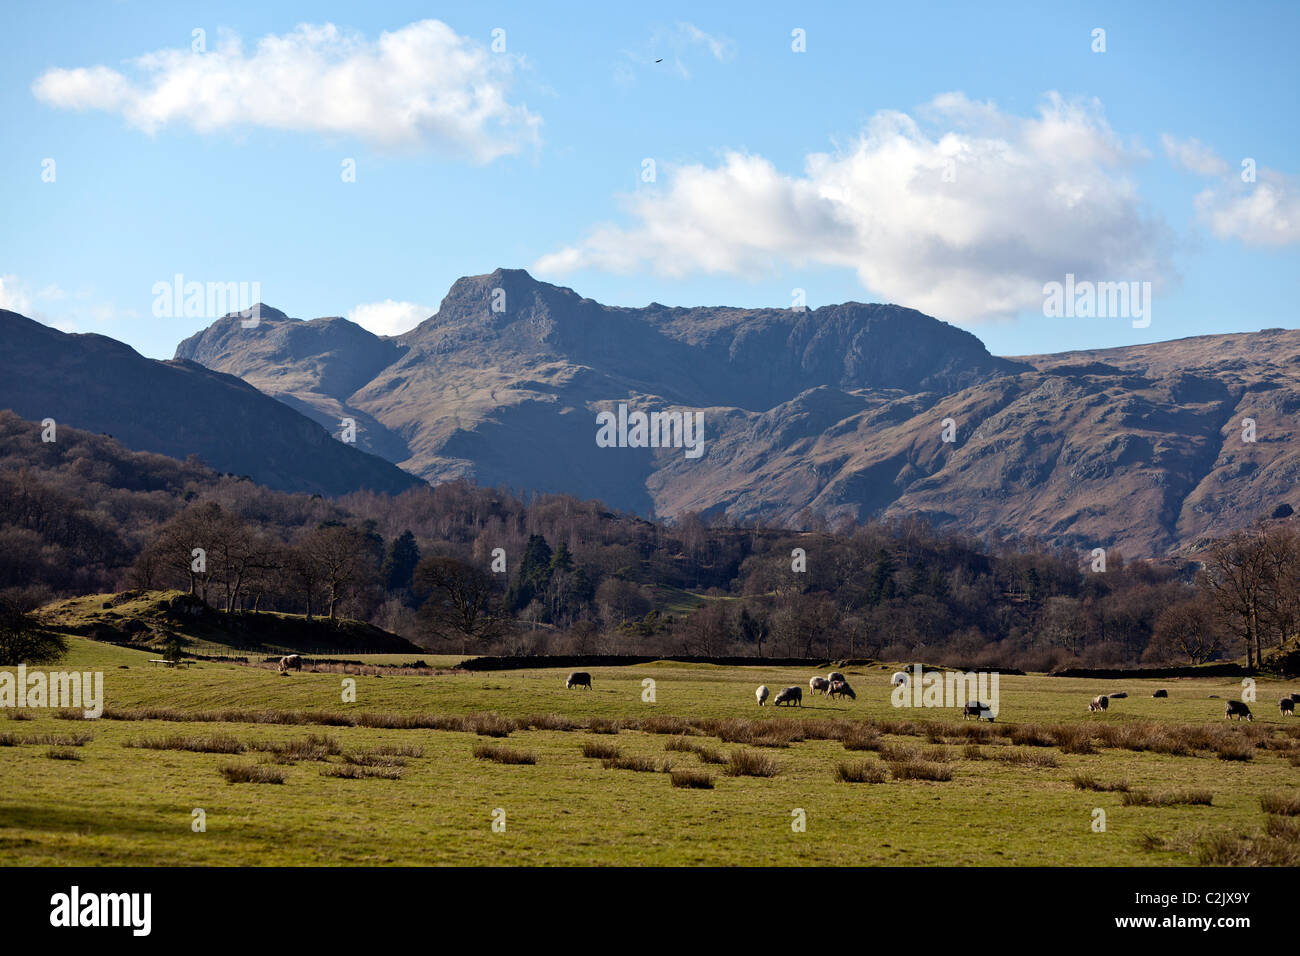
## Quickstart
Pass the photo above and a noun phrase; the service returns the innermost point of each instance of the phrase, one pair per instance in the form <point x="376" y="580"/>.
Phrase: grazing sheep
<point x="1098" y="703"/>
<point x="898" y="678"/>
<point x="291" y="662"/>
<point x="1238" y="709"/>
<point x="1161" y="693"/>
<point x="1286" y="706"/>
<point x="1120" y="696"/>
<point x="818" y="684"/>
<point x="578" y="679"/>
<point x="761" y="694"/>
<point x="977" y="710"/>
<point x="841" y="688"/>
<point x="833" y="676"/>
<point x="1296" y="698"/>
<point x="791" y="695"/>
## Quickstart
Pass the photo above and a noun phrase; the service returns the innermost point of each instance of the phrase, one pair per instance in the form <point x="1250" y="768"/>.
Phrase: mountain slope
<point x="176" y="408"/>
<point x="838" y="411"/>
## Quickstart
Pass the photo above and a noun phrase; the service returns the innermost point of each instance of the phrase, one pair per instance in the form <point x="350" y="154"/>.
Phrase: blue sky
<point x="949" y="157"/>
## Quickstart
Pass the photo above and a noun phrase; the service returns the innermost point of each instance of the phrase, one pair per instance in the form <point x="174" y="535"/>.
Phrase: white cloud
<point x="422" y="84"/>
<point x="13" y="296"/>
<point x="389" y="317"/>
<point x="1194" y="155"/>
<point x="1263" y="213"/>
<point x="1033" y="199"/>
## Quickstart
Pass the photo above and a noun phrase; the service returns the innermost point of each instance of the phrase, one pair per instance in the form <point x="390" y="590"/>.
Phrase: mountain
<point x="177" y="408"/>
<point x="838" y="411"/>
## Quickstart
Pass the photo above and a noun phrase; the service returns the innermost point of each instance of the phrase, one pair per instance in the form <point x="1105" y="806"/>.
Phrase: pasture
<point x="393" y="778"/>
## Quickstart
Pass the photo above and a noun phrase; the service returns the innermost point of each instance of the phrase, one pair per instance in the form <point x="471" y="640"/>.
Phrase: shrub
<point x="863" y="771"/>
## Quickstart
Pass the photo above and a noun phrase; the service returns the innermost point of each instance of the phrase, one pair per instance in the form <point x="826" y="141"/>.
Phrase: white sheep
<point x="899" y="678"/>
<point x="761" y="694"/>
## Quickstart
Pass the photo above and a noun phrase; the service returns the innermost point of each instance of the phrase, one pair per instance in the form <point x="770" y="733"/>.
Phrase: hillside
<point x="837" y="411"/>
<point x="177" y="408"/>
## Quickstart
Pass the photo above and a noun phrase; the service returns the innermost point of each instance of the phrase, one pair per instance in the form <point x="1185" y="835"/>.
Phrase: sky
<point x="357" y="159"/>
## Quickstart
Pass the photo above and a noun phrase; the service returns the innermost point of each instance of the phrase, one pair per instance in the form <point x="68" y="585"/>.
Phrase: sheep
<point x="833" y="676"/>
<point x="1286" y="706"/>
<point x="841" y="688"/>
<point x="1296" y="698"/>
<point x="1238" y="709"/>
<point x="290" y="662"/>
<point x="578" y="679"/>
<point x="816" y="684"/>
<point x="1161" y="693"/>
<point x="1100" y="702"/>
<point x="977" y="710"/>
<point x="899" y="678"/>
<point x="761" y="694"/>
<point x="1120" y="696"/>
<point x="791" y="695"/>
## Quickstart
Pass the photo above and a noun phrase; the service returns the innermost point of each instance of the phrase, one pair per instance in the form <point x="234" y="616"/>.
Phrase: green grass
<point x="131" y="805"/>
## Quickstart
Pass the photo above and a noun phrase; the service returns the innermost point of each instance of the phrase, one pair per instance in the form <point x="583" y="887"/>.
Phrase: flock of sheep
<point x="1235" y="708"/>
<point x="835" y="685"/>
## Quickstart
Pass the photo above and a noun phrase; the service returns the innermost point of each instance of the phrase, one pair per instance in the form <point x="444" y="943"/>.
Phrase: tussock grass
<point x="1024" y="758"/>
<point x="637" y="763"/>
<point x="502" y="754"/>
<point x="919" y="770"/>
<point x="1170" y="798"/>
<point x="899" y="753"/>
<point x="1235" y="750"/>
<point x="45" y="740"/>
<point x="251" y="773"/>
<point x="862" y="771"/>
<point x="751" y="763"/>
<point x="369" y="758"/>
<point x="600" y="750"/>
<point x="1283" y="804"/>
<point x="1083" y="781"/>
<point x="353" y="772"/>
<point x="62" y="753"/>
<point x="691" y="779"/>
<point x="197" y="743"/>
<point x="313" y="747"/>
<point x="861" y="737"/>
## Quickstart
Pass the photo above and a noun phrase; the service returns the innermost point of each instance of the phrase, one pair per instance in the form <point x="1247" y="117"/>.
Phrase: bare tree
<point x="461" y="602"/>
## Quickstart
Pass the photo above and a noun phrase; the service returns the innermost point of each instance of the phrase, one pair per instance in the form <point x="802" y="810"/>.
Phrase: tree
<point x="399" y="564"/>
<point x="1189" y="629"/>
<point x="23" y="642"/>
<point x="1237" y="579"/>
<point x="620" y="600"/>
<point x="460" y="602"/>
<point x="342" y="560"/>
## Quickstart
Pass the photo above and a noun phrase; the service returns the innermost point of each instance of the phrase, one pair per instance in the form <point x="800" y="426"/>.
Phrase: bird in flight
<point x="660" y="60"/>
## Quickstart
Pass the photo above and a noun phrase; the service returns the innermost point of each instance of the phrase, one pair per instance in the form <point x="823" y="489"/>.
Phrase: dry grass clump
<point x="861" y="737"/>
<point x="1083" y="781"/>
<point x="599" y="750"/>
<point x="313" y="747"/>
<point x="636" y="763"/>
<point x="369" y="758"/>
<point x="751" y="763"/>
<point x="705" y="753"/>
<point x="251" y="773"/>
<point x="62" y="753"/>
<point x="349" y="771"/>
<point x="1024" y="758"/>
<point x="863" y="771"/>
<point x="602" y="725"/>
<point x="1283" y="804"/>
<point x="45" y="740"/>
<point x="502" y="754"/>
<point x="898" y="753"/>
<point x="1170" y="798"/>
<point x="691" y="779"/>
<point x="196" y="743"/>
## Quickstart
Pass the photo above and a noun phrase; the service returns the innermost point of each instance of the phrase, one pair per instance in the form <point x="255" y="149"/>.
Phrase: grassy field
<point x="1010" y="797"/>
